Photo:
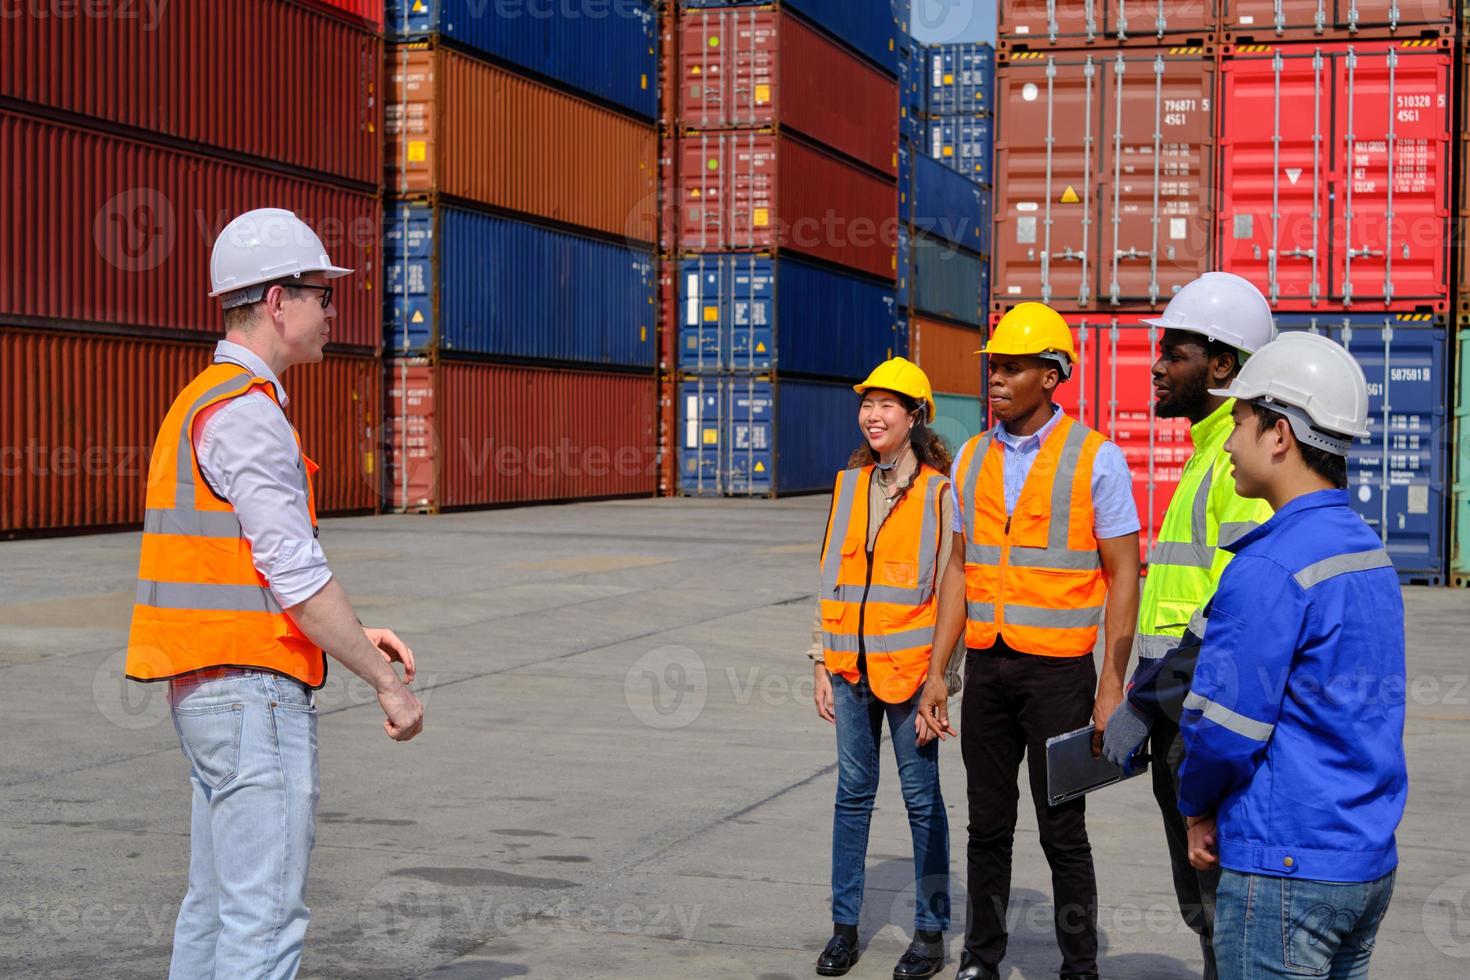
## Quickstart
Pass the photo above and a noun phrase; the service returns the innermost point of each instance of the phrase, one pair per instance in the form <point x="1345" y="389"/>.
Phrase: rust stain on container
<point x="465" y="434"/>
<point x="259" y="77"/>
<point x="1105" y="188"/>
<point x="82" y="413"/>
<point x="471" y="130"/>
<point x="946" y="352"/>
<point x="101" y="230"/>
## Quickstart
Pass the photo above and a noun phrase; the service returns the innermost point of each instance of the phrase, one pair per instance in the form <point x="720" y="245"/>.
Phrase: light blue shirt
<point x="247" y="451"/>
<point x="1114" y="511"/>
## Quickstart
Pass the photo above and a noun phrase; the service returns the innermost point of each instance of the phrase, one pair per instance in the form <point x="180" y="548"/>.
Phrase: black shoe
<point x="840" y="956"/>
<point x="919" y="962"/>
<point x="972" y="969"/>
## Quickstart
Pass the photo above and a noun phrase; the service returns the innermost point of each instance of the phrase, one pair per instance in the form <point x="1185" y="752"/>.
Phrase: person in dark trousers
<point x="1046" y="547"/>
<point x="1294" y="779"/>
<point x="883" y="555"/>
<point x="1210" y="328"/>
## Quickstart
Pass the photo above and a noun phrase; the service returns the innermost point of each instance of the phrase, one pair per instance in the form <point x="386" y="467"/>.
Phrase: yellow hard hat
<point x="903" y="376"/>
<point x="1032" y="328"/>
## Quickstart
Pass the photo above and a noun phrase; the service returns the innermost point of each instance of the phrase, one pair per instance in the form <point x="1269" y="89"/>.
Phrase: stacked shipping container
<point x="120" y="175"/>
<point x="945" y="205"/>
<point x="778" y="168"/>
<point x="521" y="273"/>
<point x="1305" y="151"/>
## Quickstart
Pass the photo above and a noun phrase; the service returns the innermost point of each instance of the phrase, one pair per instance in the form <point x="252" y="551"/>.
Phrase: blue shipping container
<point x="947" y="282"/>
<point x="961" y="80"/>
<point x="949" y="206"/>
<point x="1397" y="475"/>
<point x="460" y="281"/>
<point x="743" y="437"/>
<point x="869" y="27"/>
<point x="744" y="312"/>
<point x="606" y="50"/>
<point x="913" y="83"/>
<point x="963" y="145"/>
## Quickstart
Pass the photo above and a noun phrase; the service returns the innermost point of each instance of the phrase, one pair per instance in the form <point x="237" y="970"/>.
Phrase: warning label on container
<point x="418" y="151"/>
<point x="1293" y="174"/>
<point x="1069" y="196"/>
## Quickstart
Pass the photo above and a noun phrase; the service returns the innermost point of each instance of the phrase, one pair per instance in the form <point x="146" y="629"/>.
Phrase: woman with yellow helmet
<point x="886" y="546"/>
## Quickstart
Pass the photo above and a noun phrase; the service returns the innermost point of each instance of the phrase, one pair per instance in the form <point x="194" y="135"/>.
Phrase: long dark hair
<point x="929" y="446"/>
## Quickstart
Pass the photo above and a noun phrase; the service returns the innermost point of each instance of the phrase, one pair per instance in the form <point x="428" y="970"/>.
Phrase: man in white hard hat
<point x="237" y="609"/>
<point x="1210" y="328"/>
<point x="1294" y="779"/>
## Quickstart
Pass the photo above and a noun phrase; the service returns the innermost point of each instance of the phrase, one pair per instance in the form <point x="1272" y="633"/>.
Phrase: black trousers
<point x="1014" y="702"/>
<point x="1195" y="890"/>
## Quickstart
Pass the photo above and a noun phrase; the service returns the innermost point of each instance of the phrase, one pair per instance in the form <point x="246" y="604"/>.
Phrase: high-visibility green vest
<point x="1185" y="564"/>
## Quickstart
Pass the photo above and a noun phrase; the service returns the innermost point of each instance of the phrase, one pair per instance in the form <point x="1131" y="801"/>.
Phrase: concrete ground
<point x="621" y="773"/>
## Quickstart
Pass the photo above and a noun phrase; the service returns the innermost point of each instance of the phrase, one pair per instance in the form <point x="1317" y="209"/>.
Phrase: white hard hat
<point x="261" y="247"/>
<point x="1223" y="307"/>
<point x="1314" y="382"/>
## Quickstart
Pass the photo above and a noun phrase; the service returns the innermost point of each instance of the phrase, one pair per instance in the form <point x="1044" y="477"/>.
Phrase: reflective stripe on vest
<point x="863" y="610"/>
<point x="1185" y="564"/>
<point x="1001" y="584"/>
<point x="200" y="601"/>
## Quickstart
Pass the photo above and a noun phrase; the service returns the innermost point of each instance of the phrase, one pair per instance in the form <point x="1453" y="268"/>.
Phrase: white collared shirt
<point x="247" y="451"/>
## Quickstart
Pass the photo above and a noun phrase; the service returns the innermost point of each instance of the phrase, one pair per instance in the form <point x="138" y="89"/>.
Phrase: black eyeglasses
<point x="326" y="291"/>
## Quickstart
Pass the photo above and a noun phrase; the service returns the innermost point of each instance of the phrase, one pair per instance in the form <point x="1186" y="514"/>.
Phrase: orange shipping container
<point x="946" y="352"/>
<point x="82" y="412"/>
<point x="470" y="130"/>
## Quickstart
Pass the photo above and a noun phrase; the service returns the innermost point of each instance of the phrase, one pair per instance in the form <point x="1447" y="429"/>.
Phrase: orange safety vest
<point x="201" y="603"/>
<point x="882" y="603"/>
<point x="1033" y="578"/>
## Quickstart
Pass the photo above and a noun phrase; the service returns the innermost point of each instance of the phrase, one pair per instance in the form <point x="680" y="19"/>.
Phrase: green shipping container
<point x="958" y="417"/>
<point x="1460" y="516"/>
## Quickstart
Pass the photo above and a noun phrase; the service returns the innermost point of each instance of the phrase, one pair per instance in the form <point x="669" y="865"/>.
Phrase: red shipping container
<point x="471" y="435"/>
<point x="1264" y="21"/>
<point x="1336" y="173"/>
<point x="471" y="130"/>
<point x="946" y="352"/>
<point x="1035" y="24"/>
<point x="83" y="410"/>
<point x="1104" y="167"/>
<point x="1111" y="389"/>
<point x="747" y="69"/>
<point x="100" y="230"/>
<point x="369" y="12"/>
<point x="258" y="77"/>
<point x="749" y="190"/>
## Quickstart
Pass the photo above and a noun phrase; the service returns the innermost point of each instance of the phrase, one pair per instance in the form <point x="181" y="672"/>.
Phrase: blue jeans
<point x="250" y="739"/>
<point x="1292" y="927"/>
<point x="859" y="734"/>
